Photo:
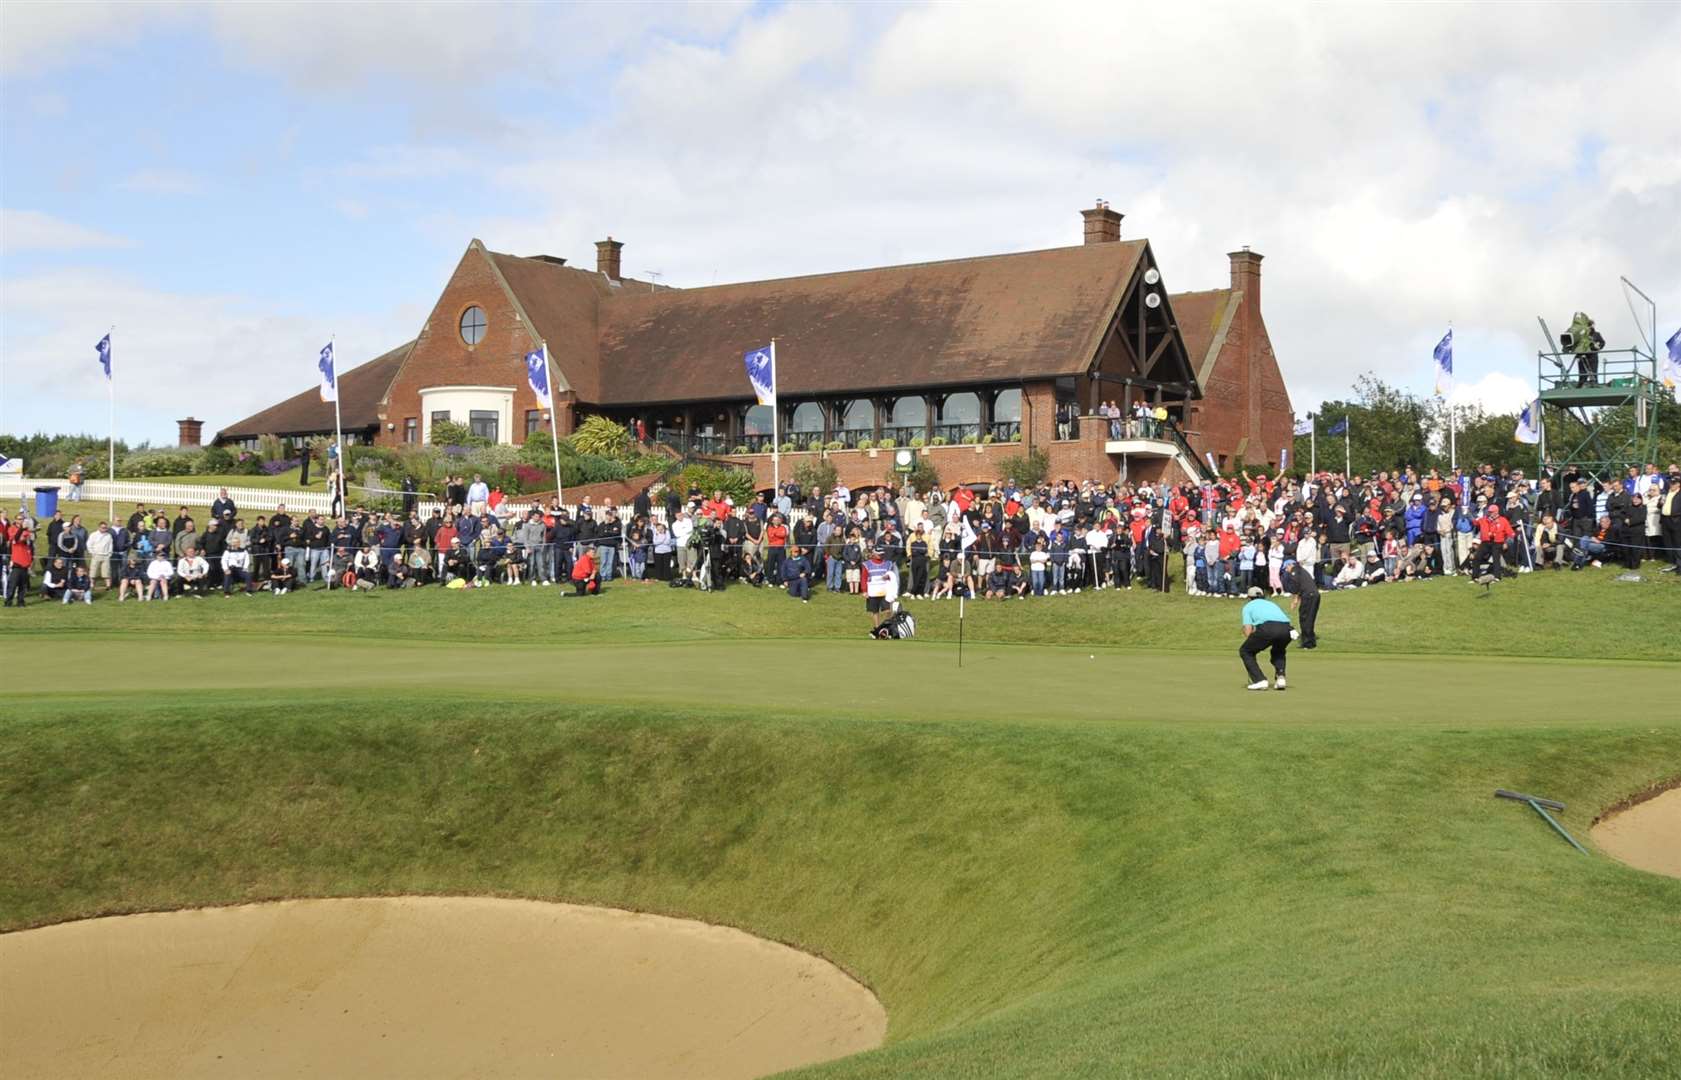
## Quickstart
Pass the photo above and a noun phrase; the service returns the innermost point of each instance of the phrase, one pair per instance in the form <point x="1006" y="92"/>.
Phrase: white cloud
<point x="32" y="230"/>
<point x="39" y="36"/>
<point x="1496" y="392"/>
<point x="164" y="182"/>
<point x="218" y="357"/>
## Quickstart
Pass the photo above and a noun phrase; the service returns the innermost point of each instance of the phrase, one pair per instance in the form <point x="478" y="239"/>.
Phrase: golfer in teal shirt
<point x="1265" y="626"/>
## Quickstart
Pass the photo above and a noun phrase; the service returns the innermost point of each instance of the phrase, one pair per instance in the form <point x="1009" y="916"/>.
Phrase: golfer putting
<point x="1265" y="626"/>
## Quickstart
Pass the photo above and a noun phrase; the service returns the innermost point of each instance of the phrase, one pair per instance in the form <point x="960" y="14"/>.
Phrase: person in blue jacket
<point x="796" y="573"/>
<point x="1265" y="626"/>
<point x="1414" y="517"/>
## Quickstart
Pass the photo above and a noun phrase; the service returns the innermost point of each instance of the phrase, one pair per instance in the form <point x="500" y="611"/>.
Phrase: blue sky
<point x="232" y="184"/>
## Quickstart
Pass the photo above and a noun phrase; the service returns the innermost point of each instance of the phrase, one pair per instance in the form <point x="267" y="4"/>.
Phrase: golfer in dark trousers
<point x="1298" y="581"/>
<point x="1265" y="626"/>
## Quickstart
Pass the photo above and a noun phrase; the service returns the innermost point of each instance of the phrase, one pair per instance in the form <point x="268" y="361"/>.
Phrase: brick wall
<point x="1246" y="407"/>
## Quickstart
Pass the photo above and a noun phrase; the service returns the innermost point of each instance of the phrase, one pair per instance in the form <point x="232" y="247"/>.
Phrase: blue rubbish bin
<point x="46" y="502"/>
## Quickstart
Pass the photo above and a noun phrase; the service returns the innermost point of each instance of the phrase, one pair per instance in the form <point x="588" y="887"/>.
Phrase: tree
<point x="815" y="473"/>
<point x="1026" y="469"/>
<point x="1386" y="430"/>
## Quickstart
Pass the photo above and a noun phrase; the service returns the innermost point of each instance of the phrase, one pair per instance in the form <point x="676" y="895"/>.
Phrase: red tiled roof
<point x="561" y="302"/>
<point x="360" y="390"/>
<point x="997" y="318"/>
<point x="1199" y="315"/>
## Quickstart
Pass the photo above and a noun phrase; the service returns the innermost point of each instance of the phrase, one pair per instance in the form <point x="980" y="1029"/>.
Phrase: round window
<point x="472" y="325"/>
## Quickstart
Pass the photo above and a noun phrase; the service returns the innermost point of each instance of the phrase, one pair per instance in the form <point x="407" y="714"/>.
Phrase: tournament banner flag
<point x="329" y="381"/>
<point x="1341" y="427"/>
<point x="1304" y="426"/>
<point x="1444" y="365"/>
<point x="1215" y="469"/>
<point x="968" y="540"/>
<point x="104" y="351"/>
<point x="1529" y="424"/>
<point x="761" y="372"/>
<point x="1284" y="459"/>
<point x="537" y="374"/>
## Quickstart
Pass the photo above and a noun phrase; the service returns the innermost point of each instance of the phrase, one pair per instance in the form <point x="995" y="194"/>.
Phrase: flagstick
<point x="960" y="597"/>
<point x="1313" y="447"/>
<point x="1347" y="452"/>
<point x="111" y="441"/>
<point x="338" y="440"/>
<point x="775" y="430"/>
<point x="554" y="426"/>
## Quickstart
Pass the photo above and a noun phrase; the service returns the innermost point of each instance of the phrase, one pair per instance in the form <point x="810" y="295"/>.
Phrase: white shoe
<point x="1279" y="685"/>
<point x="1262" y="685"/>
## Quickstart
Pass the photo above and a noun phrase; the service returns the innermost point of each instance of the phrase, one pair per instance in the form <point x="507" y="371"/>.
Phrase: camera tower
<point x="1604" y="422"/>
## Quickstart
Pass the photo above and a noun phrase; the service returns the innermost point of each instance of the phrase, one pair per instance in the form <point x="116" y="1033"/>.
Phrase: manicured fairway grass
<point x="1101" y="860"/>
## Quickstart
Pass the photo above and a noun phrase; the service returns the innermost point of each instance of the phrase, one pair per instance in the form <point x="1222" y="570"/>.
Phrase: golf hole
<point x="1646" y="835"/>
<point x="419" y="987"/>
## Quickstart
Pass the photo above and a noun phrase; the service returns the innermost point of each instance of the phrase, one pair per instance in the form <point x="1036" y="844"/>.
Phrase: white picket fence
<point x="96" y="494"/>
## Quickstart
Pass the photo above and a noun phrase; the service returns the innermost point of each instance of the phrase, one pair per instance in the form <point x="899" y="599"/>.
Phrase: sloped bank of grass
<point x="1028" y="900"/>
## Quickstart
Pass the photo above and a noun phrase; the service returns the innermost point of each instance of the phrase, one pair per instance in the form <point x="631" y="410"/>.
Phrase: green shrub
<point x="143" y="463"/>
<point x="736" y="483"/>
<point x="918" y="443"/>
<point x="213" y="461"/>
<point x="939" y="440"/>
<point x="601" y="436"/>
<point x="924" y="477"/>
<point x="1015" y="437"/>
<point x="1026" y="469"/>
<point x="886" y="444"/>
<point x="742" y="450"/>
<point x="449" y="433"/>
<point x="816" y="473"/>
<point x="270" y="448"/>
<point x="787" y="448"/>
<point x="987" y="440"/>
<point x="834" y="444"/>
<point x="866" y="444"/>
<point x="971" y="440"/>
<point x="814" y="445"/>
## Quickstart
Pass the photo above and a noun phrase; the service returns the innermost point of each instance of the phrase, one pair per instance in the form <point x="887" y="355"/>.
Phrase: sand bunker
<point x="1647" y="835"/>
<point x="418" y="987"/>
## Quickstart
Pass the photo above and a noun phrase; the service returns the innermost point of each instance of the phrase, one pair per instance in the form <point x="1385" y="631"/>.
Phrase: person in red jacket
<point x="585" y="578"/>
<point x="1493" y="532"/>
<point x="23" y="557"/>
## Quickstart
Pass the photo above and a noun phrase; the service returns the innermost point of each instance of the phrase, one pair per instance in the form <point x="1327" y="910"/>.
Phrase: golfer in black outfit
<point x="1298" y="581"/>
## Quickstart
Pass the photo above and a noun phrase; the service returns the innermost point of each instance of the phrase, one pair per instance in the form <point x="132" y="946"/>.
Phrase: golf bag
<point x="900" y="625"/>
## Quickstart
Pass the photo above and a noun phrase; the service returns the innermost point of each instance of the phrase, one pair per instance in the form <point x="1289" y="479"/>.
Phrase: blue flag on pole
<point x="329" y="381"/>
<point x="1340" y="427"/>
<point x="1672" y="365"/>
<point x="761" y="372"/>
<point x="1444" y="365"/>
<point x="1529" y="424"/>
<point x="537" y="374"/>
<point x="104" y="350"/>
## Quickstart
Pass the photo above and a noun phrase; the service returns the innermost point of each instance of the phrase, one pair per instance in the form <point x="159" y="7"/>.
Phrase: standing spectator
<point x="99" y="546"/>
<point x="223" y="509"/>
<point x="77" y="477"/>
<point x="1493" y="533"/>
<point x="22" y="558"/>
<point x="478" y="496"/>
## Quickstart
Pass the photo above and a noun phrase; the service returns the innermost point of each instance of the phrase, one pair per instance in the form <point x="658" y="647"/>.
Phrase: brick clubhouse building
<point x="964" y="360"/>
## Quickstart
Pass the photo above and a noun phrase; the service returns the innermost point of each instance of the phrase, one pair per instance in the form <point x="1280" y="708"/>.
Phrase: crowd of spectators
<point x="999" y="541"/>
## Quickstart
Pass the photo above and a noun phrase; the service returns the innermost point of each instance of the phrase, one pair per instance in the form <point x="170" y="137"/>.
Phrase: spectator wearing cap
<point x="1265" y="627"/>
<point x="881" y="584"/>
<point x="1493" y="533"/>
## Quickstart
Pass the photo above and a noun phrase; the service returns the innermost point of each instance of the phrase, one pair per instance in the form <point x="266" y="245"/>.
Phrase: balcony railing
<point x="956" y="433"/>
<point x="1005" y="430"/>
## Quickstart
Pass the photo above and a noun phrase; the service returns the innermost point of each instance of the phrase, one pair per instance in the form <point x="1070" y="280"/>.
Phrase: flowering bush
<point x="275" y="468"/>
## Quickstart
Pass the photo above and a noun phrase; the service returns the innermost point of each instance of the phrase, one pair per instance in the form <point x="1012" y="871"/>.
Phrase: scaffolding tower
<point x="1599" y="443"/>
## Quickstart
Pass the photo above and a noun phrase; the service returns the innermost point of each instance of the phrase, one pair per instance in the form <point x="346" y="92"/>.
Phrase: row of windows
<point x="483" y="423"/>
<point x="806" y="418"/>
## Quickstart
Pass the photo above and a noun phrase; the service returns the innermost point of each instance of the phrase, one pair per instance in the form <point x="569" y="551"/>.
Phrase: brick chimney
<point x="607" y="257"/>
<point x="190" y="432"/>
<point x="1246" y="275"/>
<point x="1103" y="225"/>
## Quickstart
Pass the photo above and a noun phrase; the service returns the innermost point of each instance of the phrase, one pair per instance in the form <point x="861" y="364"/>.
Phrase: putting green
<point x="886" y="680"/>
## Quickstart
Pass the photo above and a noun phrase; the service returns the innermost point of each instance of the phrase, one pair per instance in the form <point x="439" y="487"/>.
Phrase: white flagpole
<point x="111" y="441"/>
<point x="960" y="597"/>
<point x="1313" y="447"/>
<point x="1453" y="432"/>
<point x="338" y="435"/>
<point x="775" y="426"/>
<point x="1347" y="453"/>
<point x="554" y="425"/>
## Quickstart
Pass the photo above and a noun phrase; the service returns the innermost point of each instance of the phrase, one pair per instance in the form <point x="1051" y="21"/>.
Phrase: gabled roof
<point x="561" y="304"/>
<point x="360" y="390"/>
<point x="998" y="318"/>
<point x="1204" y="319"/>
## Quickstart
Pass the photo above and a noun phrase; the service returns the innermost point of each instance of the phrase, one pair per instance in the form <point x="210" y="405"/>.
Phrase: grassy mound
<point x="1056" y="862"/>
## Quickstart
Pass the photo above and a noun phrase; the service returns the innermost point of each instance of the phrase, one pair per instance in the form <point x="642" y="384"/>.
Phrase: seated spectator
<point x="236" y="567"/>
<point x="1349" y="574"/>
<point x="458" y="564"/>
<point x="54" y="580"/>
<point x="78" y="587"/>
<point x="284" y="578"/>
<point x="365" y="569"/>
<point x="160" y="574"/>
<point x="1548" y="550"/>
<point x="192" y="573"/>
<point x="132" y="578"/>
<point x="796" y="573"/>
<point x="516" y="565"/>
<point x="1592" y="547"/>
